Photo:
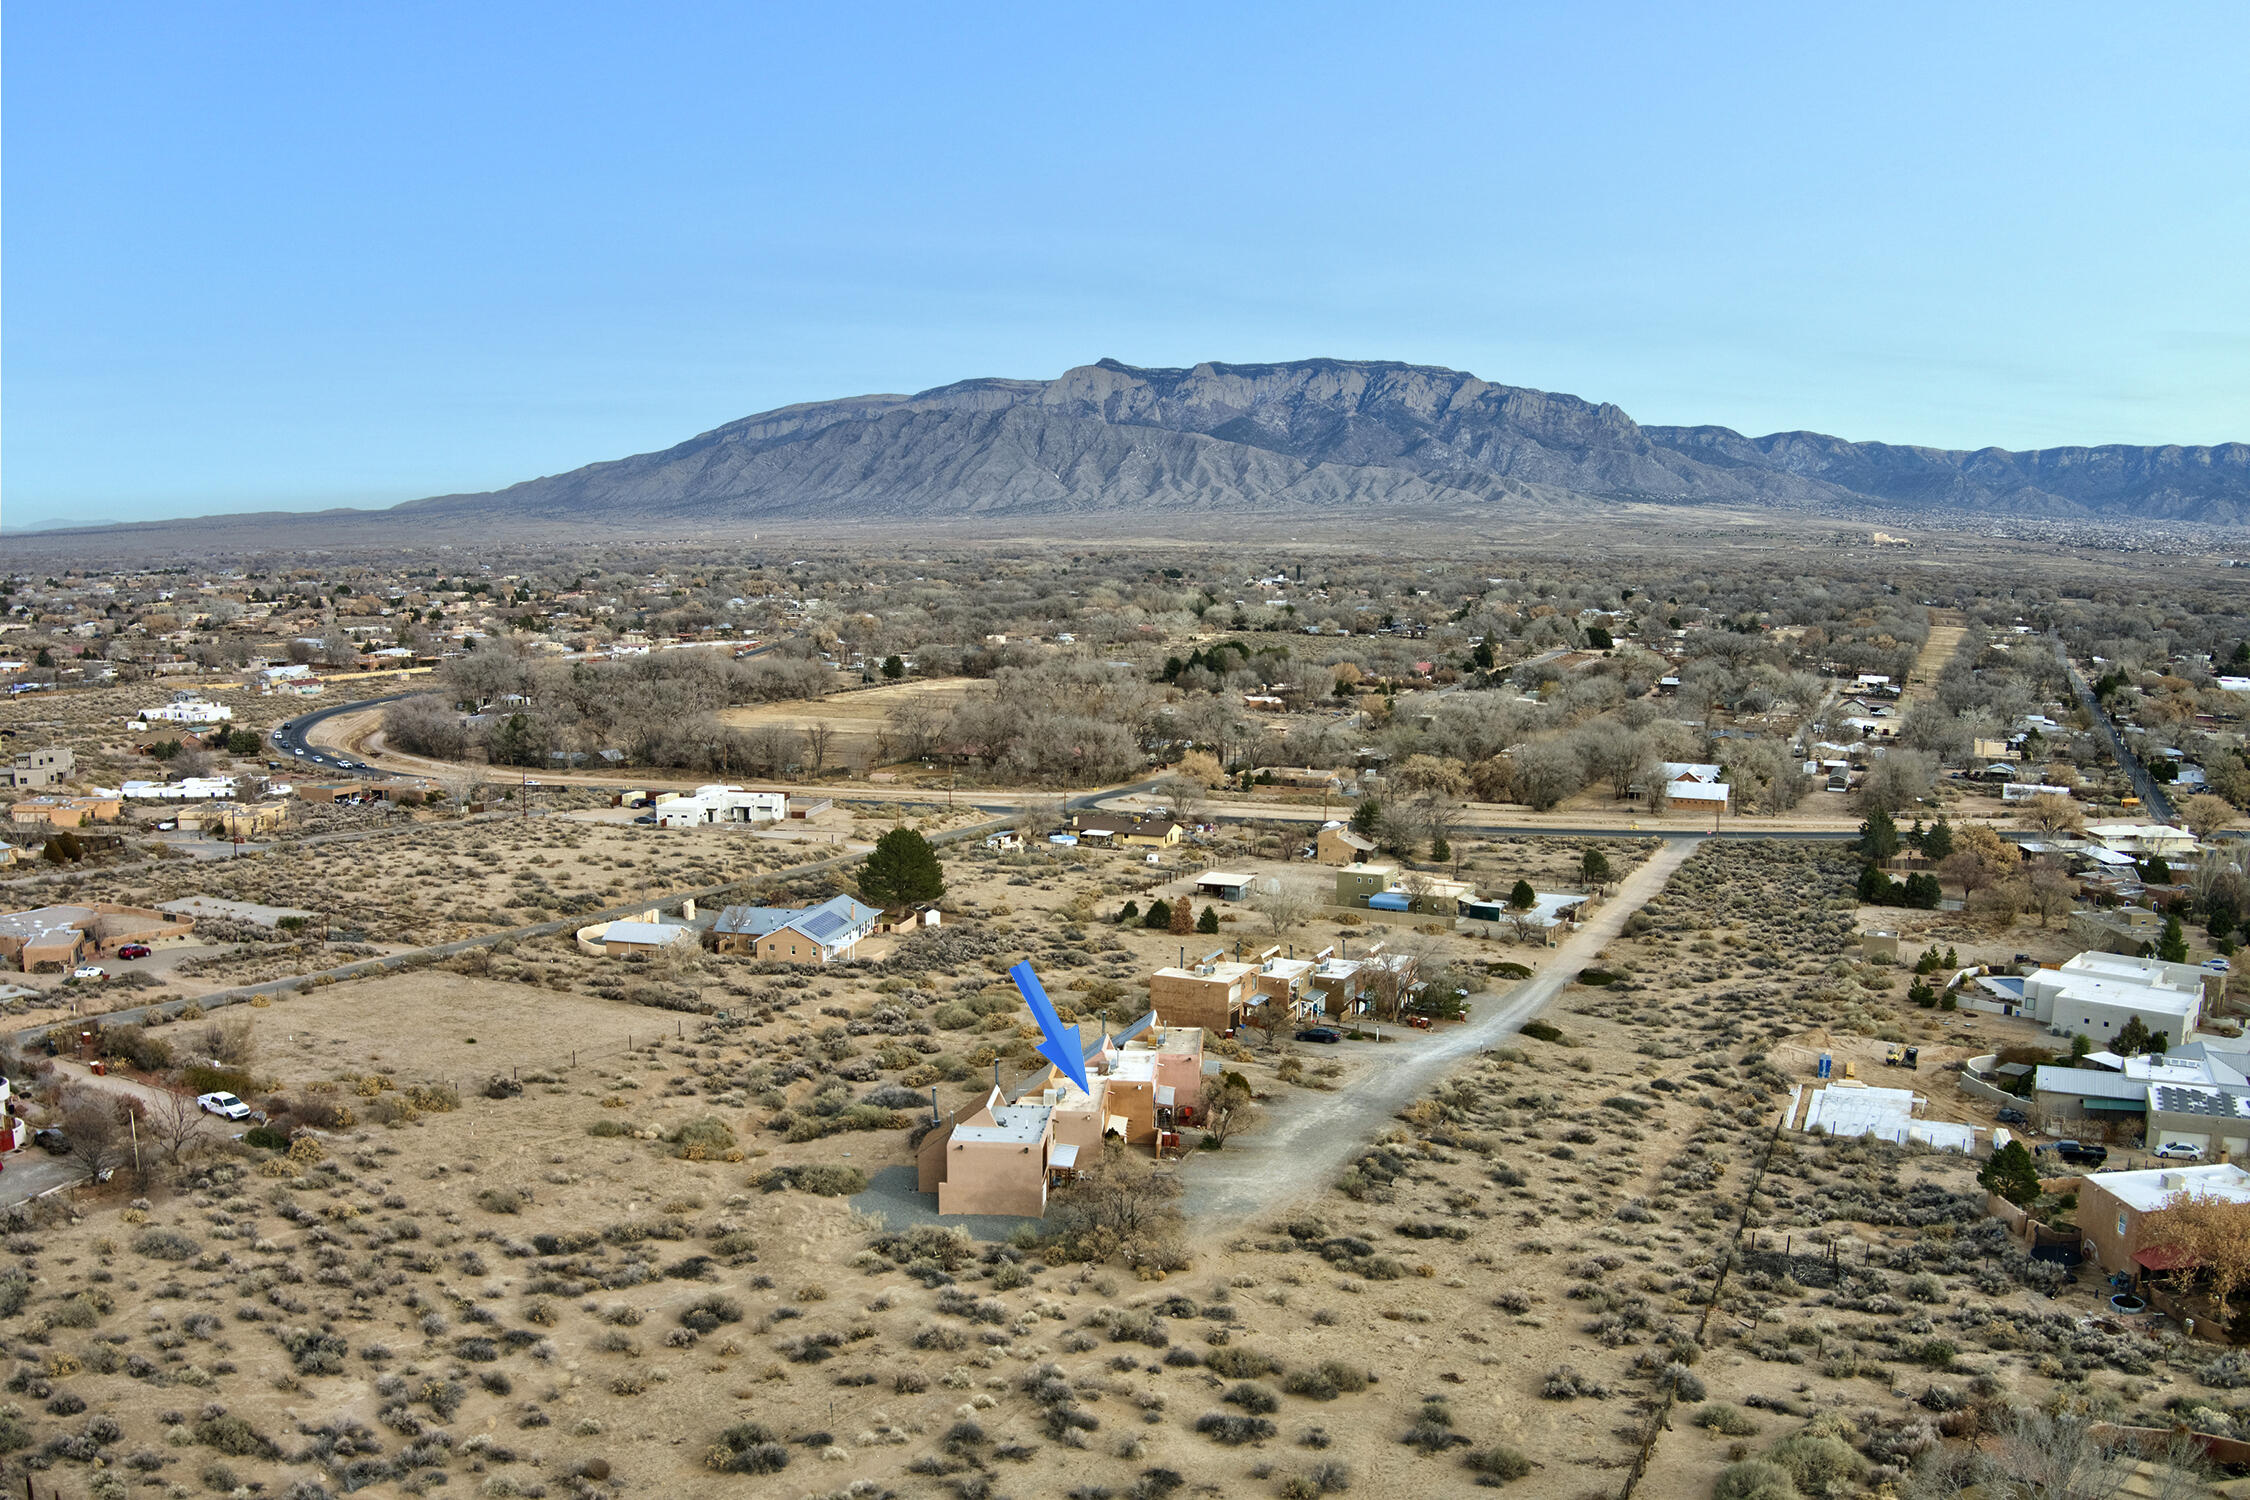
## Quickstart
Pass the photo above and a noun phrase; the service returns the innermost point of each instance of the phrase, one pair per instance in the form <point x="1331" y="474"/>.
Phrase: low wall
<point x="1977" y="1088"/>
<point x="589" y="937"/>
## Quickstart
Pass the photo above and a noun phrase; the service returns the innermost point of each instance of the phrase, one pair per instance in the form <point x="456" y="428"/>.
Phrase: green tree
<point x="241" y="742"/>
<point x="1209" y="921"/>
<point x="1159" y="918"/>
<point x="894" y="667"/>
<point x="1923" y="891"/>
<point x="2172" y="947"/>
<point x="1878" y="836"/>
<point x="1440" y="850"/>
<point x="516" y="742"/>
<point x="1482" y="656"/>
<point x="2132" y="1038"/>
<point x="1130" y="911"/>
<point x="2081" y="1045"/>
<point x="1366" y="816"/>
<point x="45" y="658"/>
<point x="2010" y="1174"/>
<point x="1593" y="868"/>
<point x="2155" y="871"/>
<point x="1938" y="842"/>
<point x="1876" y="888"/>
<point x="903" y="869"/>
<point x="1522" y="897"/>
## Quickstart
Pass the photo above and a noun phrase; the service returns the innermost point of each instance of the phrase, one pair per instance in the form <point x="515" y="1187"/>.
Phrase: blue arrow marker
<point x="1061" y="1046"/>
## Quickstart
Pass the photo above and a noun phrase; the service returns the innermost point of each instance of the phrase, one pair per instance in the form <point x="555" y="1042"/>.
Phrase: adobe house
<point x="1005" y="1153"/>
<point x="2113" y="1208"/>
<point x="1336" y="844"/>
<point x="1210" y="994"/>
<point x="1359" y="882"/>
<point x="61" y="934"/>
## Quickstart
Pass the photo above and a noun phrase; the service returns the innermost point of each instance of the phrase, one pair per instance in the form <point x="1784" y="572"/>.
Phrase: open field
<point x="858" y="716"/>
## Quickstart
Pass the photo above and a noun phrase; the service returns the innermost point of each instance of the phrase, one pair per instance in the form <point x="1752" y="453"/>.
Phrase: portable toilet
<point x="1827" y="1065"/>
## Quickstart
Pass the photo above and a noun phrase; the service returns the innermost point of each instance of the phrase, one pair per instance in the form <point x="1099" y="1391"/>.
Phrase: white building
<point x="2095" y="994"/>
<point x="2024" y="791"/>
<point x="188" y="711"/>
<point x="720" y="804"/>
<point x="2142" y="839"/>
<point x="187" y="789"/>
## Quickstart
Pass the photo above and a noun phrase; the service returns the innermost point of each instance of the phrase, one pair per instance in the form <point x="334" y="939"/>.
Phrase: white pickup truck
<point x="224" y="1105"/>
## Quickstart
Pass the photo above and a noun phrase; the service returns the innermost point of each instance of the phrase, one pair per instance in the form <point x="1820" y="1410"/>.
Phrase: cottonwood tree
<point x="820" y="741"/>
<point x="2215" y="1235"/>
<point x="2205" y="814"/>
<point x="1227" y="1107"/>
<point x="1281" y="905"/>
<point x="2051" y="814"/>
<point x="174" y="1124"/>
<point x="95" y="1121"/>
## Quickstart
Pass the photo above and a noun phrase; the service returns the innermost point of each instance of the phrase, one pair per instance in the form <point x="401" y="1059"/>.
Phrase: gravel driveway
<point x="1304" y="1143"/>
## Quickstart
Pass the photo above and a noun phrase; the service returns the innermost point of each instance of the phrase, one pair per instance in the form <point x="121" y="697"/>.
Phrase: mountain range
<point x="1341" y="438"/>
<point x="1319" y="434"/>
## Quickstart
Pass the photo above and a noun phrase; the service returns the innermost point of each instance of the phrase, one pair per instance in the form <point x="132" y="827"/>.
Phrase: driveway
<point x="1304" y="1143"/>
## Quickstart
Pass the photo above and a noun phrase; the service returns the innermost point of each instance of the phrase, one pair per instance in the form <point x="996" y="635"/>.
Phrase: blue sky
<point x="291" y="256"/>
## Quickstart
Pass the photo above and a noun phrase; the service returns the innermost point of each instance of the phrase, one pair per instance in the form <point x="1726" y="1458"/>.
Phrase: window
<point x="2121" y="1223"/>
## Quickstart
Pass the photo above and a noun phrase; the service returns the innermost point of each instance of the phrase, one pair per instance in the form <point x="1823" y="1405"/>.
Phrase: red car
<point x="133" y="950"/>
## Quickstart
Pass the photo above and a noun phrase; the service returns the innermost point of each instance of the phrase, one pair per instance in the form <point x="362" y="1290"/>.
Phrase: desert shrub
<point x="267" y="1137"/>
<point x="1725" y="1419"/>
<point x="232" y="1436"/>
<point x="705" y="1138"/>
<point x="1233" y="1430"/>
<point x="817" y="1178"/>
<point x="609" y="1128"/>
<point x="1542" y="1031"/>
<point x="1499" y="1462"/>
<point x="15" y="1290"/>
<point x="203" y="1078"/>
<point x="165" y="1244"/>
<point x="1239" y="1364"/>
<point x="501" y="1200"/>
<point x="1252" y="1397"/>
<point x="1564" y="1383"/>
<point x="747" y="1448"/>
<point x="500" y="1086"/>
<point x="139" y="1049"/>
<point x="1819" y="1464"/>
<point x="1754" y="1479"/>
<point x="1325" y="1381"/>
<point x="706" y="1314"/>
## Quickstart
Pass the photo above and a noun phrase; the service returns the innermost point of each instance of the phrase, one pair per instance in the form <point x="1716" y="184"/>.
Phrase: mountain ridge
<point x="1348" y="438"/>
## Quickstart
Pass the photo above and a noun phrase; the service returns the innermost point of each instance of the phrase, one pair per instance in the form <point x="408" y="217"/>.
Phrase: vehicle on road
<point x="2178" y="1151"/>
<point x="89" y="971"/>
<point x="2078" y="1153"/>
<point x="52" y="1140"/>
<point x="223" y="1104"/>
<point x="2013" y="1116"/>
<point x="135" y="950"/>
<point x="2218" y="966"/>
<point x="1325" y="1035"/>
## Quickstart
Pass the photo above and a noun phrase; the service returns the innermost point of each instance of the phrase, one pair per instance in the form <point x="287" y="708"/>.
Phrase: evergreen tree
<point x="1878" y="836"/>
<point x="2132" y="1038"/>
<point x="1366" y="816"/>
<point x="1440" y="850"/>
<point x="1209" y="921"/>
<point x="1129" y="911"/>
<point x="903" y="869"/>
<point x="1876" y="888"/>
<point x="1922" y="891"/>
<point x="2009" y="1173"/>
<point x="894" y="667"/>
<point x="1159" y="918"/>
<point x="2172" y="947"/>
<point x="1182" y="918"/>
<point x="1593" y="868"/>
<point x="1522" y="897"/>
<point x="1938" y="842"/>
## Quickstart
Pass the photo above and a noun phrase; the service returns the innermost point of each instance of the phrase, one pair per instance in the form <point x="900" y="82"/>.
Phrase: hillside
<point x="1324" y="435"/>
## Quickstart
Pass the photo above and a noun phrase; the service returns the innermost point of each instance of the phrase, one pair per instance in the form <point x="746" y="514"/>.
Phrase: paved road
<point x="1304" y="1143"/>
<point x="2153" y="800"/>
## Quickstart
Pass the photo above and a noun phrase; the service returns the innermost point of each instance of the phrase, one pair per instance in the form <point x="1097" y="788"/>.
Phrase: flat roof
<point x="641" y="932"/>
<point x="1012" y="1125"/>
<point x="2088" y="1083"/>
<point x="2221" y="1182"/>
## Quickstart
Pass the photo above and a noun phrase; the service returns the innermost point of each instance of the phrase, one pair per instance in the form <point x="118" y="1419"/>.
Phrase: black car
<point x="1321" y="1034"/>
<point x="2079" y="1153"/>
<point x="51" y="1139"/>
<point x="2013" y="1116"/>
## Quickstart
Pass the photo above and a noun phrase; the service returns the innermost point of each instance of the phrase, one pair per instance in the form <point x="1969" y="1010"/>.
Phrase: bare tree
<point x="174" y="1125"/>
<point x="1186" y="796"/>
<point x="1228" y="1107"/>
<point x="1283" y="906"/>
<point x="820" y="739"/>
<point x="94" y="1122"/>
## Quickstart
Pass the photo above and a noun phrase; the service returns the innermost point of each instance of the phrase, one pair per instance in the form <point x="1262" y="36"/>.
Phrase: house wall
<point x="1331" y="848"/>
<point x="2108" y="1226"/>
<point x="1191" y="1000"/>
<point x="787" y="945"/>
<point x="991" y="1177"/>
<point x="2213" y="1134"/>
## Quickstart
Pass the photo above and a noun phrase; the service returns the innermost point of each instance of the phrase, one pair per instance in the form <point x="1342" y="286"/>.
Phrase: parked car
<point x="223" y="1103"/>
<point x="2218" y="966"/>
<point x="2013" y="1116"/>
<point x="2079" y="1153"/>
<point x="51" y="1139"/>
<point x="134" y="950"/>
<point x="1322" y="1034"/>
<point x="89" y="971"/>
<point x="2178" y="1151"/>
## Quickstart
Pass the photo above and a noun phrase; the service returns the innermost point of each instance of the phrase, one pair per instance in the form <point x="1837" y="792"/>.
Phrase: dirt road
<point x="1306" y="1142"/>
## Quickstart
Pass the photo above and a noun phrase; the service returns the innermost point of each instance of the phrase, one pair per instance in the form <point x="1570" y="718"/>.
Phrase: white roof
<point x="2151" y="1189"/>
<point x="1012" y="1125"/>
<point x="641" y="932"/>
<point x="1693" y="770"/>
<point x="1699" y="791"/>
<point x="1222" y="877"/>
<point x="1064" y="1155"/>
